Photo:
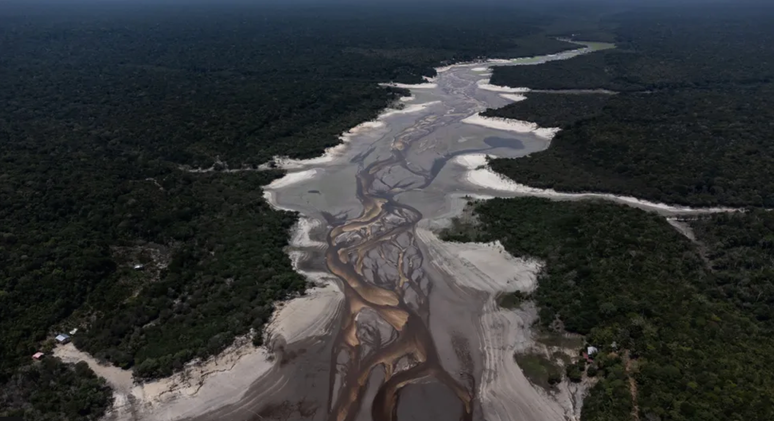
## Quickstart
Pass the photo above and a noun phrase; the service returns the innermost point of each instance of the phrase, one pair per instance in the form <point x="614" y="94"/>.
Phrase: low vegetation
<point x="539" y="370"/>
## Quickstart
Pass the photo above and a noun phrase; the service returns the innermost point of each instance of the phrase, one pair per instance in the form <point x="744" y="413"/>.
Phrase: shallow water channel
<point x="415" y="333"/>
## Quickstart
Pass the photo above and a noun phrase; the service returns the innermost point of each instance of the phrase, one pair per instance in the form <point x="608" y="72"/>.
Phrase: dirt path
<point x="632" y="387"/>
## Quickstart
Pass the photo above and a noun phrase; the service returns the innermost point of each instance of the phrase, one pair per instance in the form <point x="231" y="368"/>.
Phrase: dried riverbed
<point x="401" y="325"/>
<point x="417" y="332"/>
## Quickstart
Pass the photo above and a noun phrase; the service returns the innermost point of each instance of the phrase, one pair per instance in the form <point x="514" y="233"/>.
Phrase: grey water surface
<point x="407" y="343"/>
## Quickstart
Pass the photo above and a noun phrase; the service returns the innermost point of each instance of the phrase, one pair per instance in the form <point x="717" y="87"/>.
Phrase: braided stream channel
<point x="413" y="331"/>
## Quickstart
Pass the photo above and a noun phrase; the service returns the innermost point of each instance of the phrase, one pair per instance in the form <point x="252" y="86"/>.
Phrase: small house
<point x="38" y="356"/>
<point x="139" y="267"/>
<point x="62" y="339"/>
<point x="591" y="350"/>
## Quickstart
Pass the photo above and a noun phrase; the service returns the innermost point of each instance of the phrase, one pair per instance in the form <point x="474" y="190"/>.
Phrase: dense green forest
<point x="53" y="391"/>
<point x="621" y="275"/>
<point x="553" y="109"/>
<point x="99" y="109"/>
<point x="665" y="47"/>
<point x="740" y="252"/>
<point x="692" y="147"/>
<point x="691" y="125"/>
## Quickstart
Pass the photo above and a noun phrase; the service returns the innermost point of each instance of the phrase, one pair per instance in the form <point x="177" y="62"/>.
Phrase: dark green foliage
<point x="610" y="399"/>
<point x="690" y="147"/>
<point x="621" y="275"/>
<point x="100" y="108"/>
<point x="592" y="371"/>
<point x="539" y="370"/>
<point x="740" y="250"/>
<point x="700" y="136"/>
<point x="553" y="110"/>
<point x="513" y="300"/>
<point x="214" y="289"/>
<point x="575" y="371"/>
<point x="53" y="391"/>
<point x="665" y="48"/>
<point x="601" y="70"/>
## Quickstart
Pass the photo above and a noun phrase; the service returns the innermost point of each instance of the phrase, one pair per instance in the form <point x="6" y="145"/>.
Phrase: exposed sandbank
<point x="510" y="125"/>
<point x="504" y="392"/>
<point x="410" y="86"/>
<point x="485" y="85"/>
<point x="330" y="154"/>
<point x="514" y="97"/>
<point x="480" y="175"/>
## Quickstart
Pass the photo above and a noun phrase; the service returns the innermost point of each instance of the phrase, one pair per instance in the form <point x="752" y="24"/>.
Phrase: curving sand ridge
<point x="485" y="85"/>
<point x="517" y="126"/>
<point x="480" y="175"/>
<point x="292" y="178"/>
<point x="413" y="108"/>
<point x="483" y="267"/>
<point x="514" y="97"/>
<point x="504" y="391"/>
<point x="410" y="86"/>
<point x="300" y="233"/>
<point x="308" y="316"/>
<point x="330" y="154"/>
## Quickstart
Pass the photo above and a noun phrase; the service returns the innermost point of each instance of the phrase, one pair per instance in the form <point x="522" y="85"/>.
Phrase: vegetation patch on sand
<point x="539" y="370"/>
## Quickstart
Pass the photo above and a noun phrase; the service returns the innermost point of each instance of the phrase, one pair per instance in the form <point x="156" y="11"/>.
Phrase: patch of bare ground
<point x="631" y="367"/>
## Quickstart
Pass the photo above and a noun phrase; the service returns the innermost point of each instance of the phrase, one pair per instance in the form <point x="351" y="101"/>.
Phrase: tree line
<point x="100" y="108"/>
<point x="699" y="347"/>
<point x="691" y="122"/>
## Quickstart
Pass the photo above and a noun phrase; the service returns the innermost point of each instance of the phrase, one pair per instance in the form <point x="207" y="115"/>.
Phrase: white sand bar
<point x="485" y="85"/>
<point x="332" y="153"/>
<point x="482" y="266"/>
<point x="509" y="125"/>
<point x="410" y="86"/>
<point x="292" y="178"/>
<point x="413" y="108"/>
<point x="514" y="97"/>
<point x="480" y="175"/>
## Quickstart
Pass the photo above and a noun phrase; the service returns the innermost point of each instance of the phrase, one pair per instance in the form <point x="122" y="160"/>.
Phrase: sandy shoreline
<point x="480" y="175"/>
<point x="514" y="97"/>
<point x="504" y="391"/>
<point x="224" y="378"/>
<point x="485" y="85"/>
<point x="485" y="268"/>
<point x="330" y="154"/>
<point x="335" y="152"/>
<point x="510" y="125"/>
